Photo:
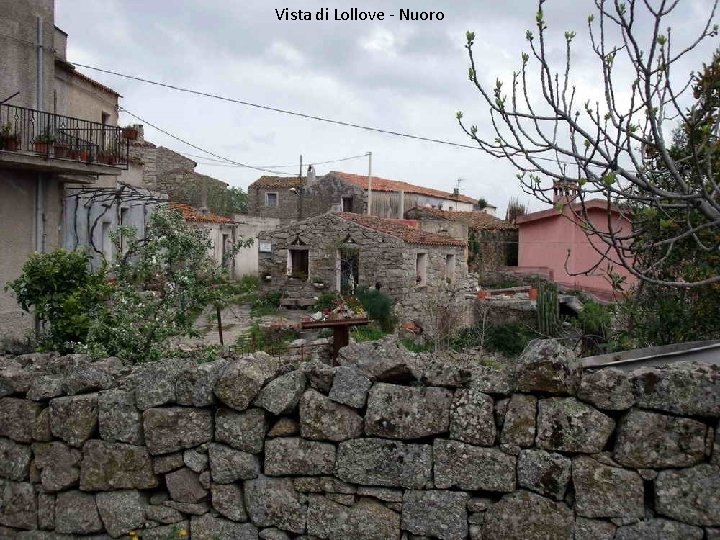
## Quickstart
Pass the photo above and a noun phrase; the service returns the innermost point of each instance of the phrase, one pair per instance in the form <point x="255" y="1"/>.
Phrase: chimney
<point x="310" y="175"/>
<point x="565" y="191"/>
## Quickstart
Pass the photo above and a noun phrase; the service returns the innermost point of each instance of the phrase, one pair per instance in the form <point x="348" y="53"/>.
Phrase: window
<point x="347" y="204"/>
<point x="421" y="269"/>
<point x="449" y="268"/>
<point x="298" y="263"/>
<point x="271" y="200"/>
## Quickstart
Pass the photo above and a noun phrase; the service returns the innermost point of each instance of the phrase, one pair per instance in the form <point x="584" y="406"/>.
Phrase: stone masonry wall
<point x="389" y="445"/>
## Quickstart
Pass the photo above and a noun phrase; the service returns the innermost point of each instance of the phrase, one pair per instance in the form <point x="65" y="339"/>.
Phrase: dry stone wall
<point x="388" y="445"/>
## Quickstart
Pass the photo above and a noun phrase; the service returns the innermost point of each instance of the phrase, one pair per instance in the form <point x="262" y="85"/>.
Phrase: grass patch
<point x="367" y="333"/>
<point x="266" y="304"/>
<point x="412" y="346"/>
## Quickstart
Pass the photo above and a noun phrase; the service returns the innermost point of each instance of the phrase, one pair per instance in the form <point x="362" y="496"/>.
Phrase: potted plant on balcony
<point x="106" y="157"/>
<point x="44" y="142"/>
<point x="62" y="149"/>
<point x="9" y="139"/>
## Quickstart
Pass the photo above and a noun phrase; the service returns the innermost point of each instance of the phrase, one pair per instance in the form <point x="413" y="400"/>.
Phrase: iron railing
<point x="54" y="136"/>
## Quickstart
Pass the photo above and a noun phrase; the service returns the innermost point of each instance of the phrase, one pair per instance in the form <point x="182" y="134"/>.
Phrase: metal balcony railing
<point x="54" y="136"/>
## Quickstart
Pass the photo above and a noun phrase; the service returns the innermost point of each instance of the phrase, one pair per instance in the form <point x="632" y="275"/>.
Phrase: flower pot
<point x="482" y="295"/>
<point x="533" y="294"/>
<point x="10" y="143"/>
<point x="61" y="151"/>
<point x="42" y="147"/>
<point x="83" y="155"/>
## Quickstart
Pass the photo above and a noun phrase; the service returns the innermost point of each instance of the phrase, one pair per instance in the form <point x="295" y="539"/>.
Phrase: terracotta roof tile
<point x="401" y="229"/>
<point x="269" y="182"/>
<point x="474" y="220"/>
<point x="191" y="214"/>
<point x="383" y="184"/>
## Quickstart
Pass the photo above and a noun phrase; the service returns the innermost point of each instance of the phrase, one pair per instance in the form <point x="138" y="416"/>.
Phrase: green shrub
<point x="508" y="339"/>
<point x="266" y="304"/>
<point x="368" y="333"/>
<point x="413" y="346"/>
<point x="379" y="307"/>
<point x="326" y="300"/>
<point x="63" y="291"/>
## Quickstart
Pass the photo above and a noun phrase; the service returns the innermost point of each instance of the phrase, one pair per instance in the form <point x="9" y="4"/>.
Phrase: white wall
<point x="246" y="260"/>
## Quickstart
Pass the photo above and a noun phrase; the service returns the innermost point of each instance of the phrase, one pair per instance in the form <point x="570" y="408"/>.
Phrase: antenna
<point x="456" y="191"/>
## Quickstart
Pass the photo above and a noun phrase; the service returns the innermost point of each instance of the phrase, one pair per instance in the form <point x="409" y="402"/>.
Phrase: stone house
<point x="291" y="199"/>
<point x="342" y="251"/>
<point x="57" y="128"/>
<point x="492" y="242"/>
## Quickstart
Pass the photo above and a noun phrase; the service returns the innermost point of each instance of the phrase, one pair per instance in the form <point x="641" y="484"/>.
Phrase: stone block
<point x="472" y="468"/>
<point x="653" y="440"/>
<point x="17" y="419"/>
<point x="242" y="430"/>
<point x="546" y="366"/>
<point x="241" y="380"/>
<point x="663" y="529"/>
<point x="568" y="425"/>
<point x="272" y="502"/>
<point x="325" y="420"/>
<point x="121" y="511"/>
<point x="610" y="389"/>
<point x="195" y="461"/>
<point x="683" y="388"/>
<point x="603" y="491"/>
<point x="14" y="460"/>
<point x="176" y="428"/>
<point x="383" y="462"/>
<point x="74" y="419"/>
<point x="45" y="511"/>
<point x="281" y="395"/>
<point x="403" y="412"/>
<point x="195" y="384"/>
<point x="228" y="465"/>
<point x="284" y="427"/>
<point x="524" y="515"/>
<point x="322" y="484"/>
<point x="544" y="473"/>
<point x="59" y="465"/>
<point x="184" y="486"/>
<point x="296" y="456"/>
<point x="227" y="499"/>
<point x="18" y="506"/>
<point x="690" y="495"/>
<point x="168" y="462"/>
<point x="76" y="513"/>
<point x="439" y="514"/>
<point x="593" y="529"/>
<point x="109" y="466"/>
<point x="209" y="527"/>
<point x="350" y="387"/>
<point x="472" y="419"/>
<point x="366" y="520"/>
<point x="118" y="418"/>
<point x="154" y="383"/>
<point x="519" y="423"/>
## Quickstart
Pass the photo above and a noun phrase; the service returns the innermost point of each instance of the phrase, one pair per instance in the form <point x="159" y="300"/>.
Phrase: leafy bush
<point x="379" y="307"/>
<point x="273" y="340"/>
<point x="64" y="292"/>
<point x="508" y="339"/>
<point x="413" y="346"/>
<point x="326" y="300"/>
<point x="368" y="333"/>
<point x="266" y="304"/>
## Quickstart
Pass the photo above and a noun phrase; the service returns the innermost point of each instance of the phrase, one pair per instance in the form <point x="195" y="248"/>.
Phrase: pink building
<point x="545" y="237"/>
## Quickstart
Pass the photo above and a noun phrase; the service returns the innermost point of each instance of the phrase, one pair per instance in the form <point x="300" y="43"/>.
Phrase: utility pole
<point x="44" y="125"/>
<point x="300" y="175"/>
<point x="369" y="198"/>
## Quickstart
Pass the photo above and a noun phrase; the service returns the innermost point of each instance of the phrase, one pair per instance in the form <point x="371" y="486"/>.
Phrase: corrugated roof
<point x="474" y="220"/>
<point x="270" y="182"/>
<point x="383" y="184"/>
<point x="191" y="214"/>
<point x="400" y="229"/>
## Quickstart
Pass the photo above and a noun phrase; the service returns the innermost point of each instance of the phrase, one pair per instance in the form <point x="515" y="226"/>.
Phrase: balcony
<point x="36" y="140"/>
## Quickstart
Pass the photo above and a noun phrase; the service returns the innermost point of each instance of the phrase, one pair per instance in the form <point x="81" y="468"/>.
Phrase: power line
<point x="288" y="166"/>
<point x="278" y="110"/>
<point x="237" y="163"/>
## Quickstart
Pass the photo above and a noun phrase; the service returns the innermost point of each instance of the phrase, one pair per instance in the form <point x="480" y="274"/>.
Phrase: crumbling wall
<point x="389" y="445"/>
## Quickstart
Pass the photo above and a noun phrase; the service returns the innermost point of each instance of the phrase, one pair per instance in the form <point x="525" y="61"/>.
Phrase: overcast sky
<point x="397" y="75"/>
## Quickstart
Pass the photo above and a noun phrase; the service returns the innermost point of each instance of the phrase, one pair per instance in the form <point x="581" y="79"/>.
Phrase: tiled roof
<point x="71" y="68"/>
<point x="383" y="184"/>
<point x="400" y="229"/>
<point x="191" y="214"/>
<point x="474" y="220"/>
<point x="270" y="182"/>
<point x="592" y="204"/>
